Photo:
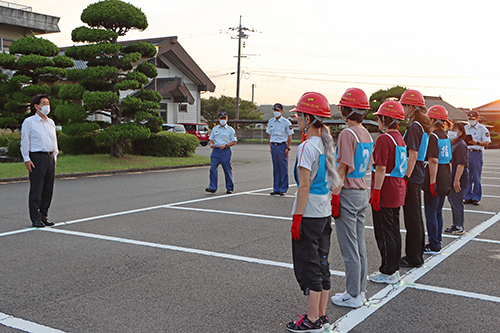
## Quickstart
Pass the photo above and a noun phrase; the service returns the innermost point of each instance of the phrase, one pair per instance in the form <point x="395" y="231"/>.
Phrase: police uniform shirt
<point x="279" y="129"/>
<point x="222" y="135"/>
<point x="38" y="135"/>
<point x="478" y="133"/>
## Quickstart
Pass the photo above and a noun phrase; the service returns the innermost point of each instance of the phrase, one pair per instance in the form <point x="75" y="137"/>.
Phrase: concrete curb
<point x="111" y="172"/>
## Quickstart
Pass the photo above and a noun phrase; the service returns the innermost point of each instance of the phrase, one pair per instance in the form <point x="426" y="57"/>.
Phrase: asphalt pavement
<point x="153" y="252"/>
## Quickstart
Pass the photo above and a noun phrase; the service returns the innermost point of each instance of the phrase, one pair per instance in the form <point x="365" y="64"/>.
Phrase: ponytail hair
<point x="327" y="140"/>
<point x="422" y="119"/>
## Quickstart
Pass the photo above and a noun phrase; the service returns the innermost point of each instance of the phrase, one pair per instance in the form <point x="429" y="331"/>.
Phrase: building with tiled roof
<point x="454" y="113"/>
<point x="490" y="111"/>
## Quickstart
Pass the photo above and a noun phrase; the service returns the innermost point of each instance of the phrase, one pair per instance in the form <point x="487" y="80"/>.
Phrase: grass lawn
<point x="69" y="164"/>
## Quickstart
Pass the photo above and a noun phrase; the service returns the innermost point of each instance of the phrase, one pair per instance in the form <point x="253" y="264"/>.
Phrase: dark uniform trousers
<point x="41" y="184"/>
<point x="414" y="224"/>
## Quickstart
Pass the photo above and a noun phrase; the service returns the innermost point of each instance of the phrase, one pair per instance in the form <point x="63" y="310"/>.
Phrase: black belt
<point x="278" y="144"/>
<point x="42" y="152"/>
<point x="475" y="150"/>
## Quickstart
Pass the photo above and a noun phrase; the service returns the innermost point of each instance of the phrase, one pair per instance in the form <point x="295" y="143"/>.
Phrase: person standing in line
<point x="280" y="139"/>
<point x="480" y="139"/>
<point x="416" y="139"/>
<point x="459" y="178"/>
<point x="388" y="190"/>
<point x="437" y="176"/>
<point x="39" y="151"/>
<point x="221" y="139"/>
<point x="350" y="201"/>
<point x="311" y="229"/>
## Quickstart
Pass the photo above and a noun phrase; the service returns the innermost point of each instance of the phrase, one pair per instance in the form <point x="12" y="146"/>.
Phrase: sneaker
<point x="362" y="293"/>
<point x="455" y="230"/>
<point x="378" y="277"/>
<point x="430" y="250"/>
<point x="282" y="194"/>
<point x="274" y="193"/>
<point x="347" y="300"/>
<point x="305" y="325"/>
<point x="475" y="202"/>
<point x="468" y="201"/>
<point x="324" y="322"/>
<point x="209" y="190"/>
<point x="404" y="263"/>
<point x="229" y="192"/>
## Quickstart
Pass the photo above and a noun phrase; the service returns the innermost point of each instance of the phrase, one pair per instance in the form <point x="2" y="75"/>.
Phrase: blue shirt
<point x="222" y="135"/>
<point x="279" y="129"/>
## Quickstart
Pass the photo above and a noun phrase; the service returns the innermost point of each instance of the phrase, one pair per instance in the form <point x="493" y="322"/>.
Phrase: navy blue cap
<point x="222" y="114"/>
<point x="278" y="106"/>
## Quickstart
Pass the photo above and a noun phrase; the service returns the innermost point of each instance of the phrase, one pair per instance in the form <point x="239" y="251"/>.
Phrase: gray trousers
<point x="456" y="201"/>
<point x="350" y="227"/>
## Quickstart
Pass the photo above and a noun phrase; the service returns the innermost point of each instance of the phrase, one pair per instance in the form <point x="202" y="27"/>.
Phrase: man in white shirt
<point x="39" y="151"/>
<point x="280" y="138"/>
<point x="480" y="139"/>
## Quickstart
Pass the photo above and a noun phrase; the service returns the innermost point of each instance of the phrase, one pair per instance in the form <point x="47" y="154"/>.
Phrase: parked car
<point x="174" y="128"/>
<point x="198" y="129"/>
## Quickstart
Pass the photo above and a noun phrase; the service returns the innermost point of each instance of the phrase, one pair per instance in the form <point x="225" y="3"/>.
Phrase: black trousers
<point x="41" y="185"/>
<point x="414" y="224"/>
<point x="310" y="254"/>
<point x="388" y="236"/>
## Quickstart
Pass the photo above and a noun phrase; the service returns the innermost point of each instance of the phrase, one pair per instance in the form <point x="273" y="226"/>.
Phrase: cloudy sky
<point x="440" y="47"/>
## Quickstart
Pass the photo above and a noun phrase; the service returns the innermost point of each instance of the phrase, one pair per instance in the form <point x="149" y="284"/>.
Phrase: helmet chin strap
<point x="394" y="121"/>
<point x="438" y="121"/>
<point x="315" y="120"/>
<point x="416" y="108"/>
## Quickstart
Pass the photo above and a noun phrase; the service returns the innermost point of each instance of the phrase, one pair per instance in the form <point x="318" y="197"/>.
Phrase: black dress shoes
<point x="38" y="224"/>
<point x="47" y="222"/>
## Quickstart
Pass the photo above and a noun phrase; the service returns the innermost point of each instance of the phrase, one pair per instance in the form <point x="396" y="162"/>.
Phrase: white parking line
<point x="26" y="326"/>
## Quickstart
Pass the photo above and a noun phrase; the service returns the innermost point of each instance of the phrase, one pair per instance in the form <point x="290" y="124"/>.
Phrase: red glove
<point x="375" y="200"/>
<point x="335" y="205"/>
<point x="296" y="227"/>
<point x="433" y="189"/>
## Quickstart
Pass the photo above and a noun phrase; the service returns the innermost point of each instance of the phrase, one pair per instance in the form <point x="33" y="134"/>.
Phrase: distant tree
<point x="380" y="96"/>
<point x="211" y="107"/>
<point x="33" y="67"/>
<point x="111" y="68"/>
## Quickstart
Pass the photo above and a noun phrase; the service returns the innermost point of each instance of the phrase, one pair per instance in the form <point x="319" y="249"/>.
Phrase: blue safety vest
<point x="361" y="157"/>
<point x="401" y="161"/>
<point x="320" y="185"/>
<point x="444" y="146"/>
<point x="424" y="143"/>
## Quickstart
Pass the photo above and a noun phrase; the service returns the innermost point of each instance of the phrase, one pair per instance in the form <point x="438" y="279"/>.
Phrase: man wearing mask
<point x="221" y="139"/>
<point x="480" y="139"/>
<point x="280" y="138"/>
<point x="39" y="151"/>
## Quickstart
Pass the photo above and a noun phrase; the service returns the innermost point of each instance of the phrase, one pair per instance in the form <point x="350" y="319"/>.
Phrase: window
<point x="183" y="108"/>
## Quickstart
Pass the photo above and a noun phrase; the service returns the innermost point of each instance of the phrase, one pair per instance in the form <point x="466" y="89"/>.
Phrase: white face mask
<point x="473" y="122"/>
<point x="452" y="135"/>
<point x="277" y="114"/>
<point x="45" y="110"/>
<point x="222" y="122"/>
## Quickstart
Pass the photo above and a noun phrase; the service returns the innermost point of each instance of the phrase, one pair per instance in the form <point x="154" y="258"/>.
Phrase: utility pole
<point x="241" y="35"/>
<point x="253" y="91"/>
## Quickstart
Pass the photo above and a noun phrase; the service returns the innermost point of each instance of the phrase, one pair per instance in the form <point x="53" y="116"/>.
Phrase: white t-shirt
<point x="308" y="158"/>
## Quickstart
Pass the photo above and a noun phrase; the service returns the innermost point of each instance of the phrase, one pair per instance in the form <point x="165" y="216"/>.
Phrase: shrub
<point x="167" y="144"/>
<point x="80" y="145"/>
<point x="6" y="138"/>
<point x="14" y="148"/>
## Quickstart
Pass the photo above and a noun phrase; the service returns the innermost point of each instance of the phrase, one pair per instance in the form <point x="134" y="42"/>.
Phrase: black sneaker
<point x="475" y="202"/>
<point x="405" y="263"/>
<point x="229" y="192"/>
<point x="454" y="230"/>
<point x="430" y="250"/>
<point x="47" y="222"/>
<point x="209" y="190"/>
<point x="305" y="325"/>
<point x="274" y="193"/>
<point x="324" y="322"/>
<point x="469" y="201"/>
<point x="282" y="194"/>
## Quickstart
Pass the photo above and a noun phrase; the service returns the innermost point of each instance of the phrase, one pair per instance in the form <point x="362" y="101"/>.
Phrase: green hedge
<point x="14" y="148"/>
<point x="80" y="145"/>
<point x="169" y="144"/>
<point x="5" y="138"/>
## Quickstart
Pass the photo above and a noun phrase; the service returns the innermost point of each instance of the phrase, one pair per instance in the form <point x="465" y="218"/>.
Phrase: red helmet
<point x="437" y="112"/>
<point x="313" y="103"/>
<point x="391" y="109"/>
<point x="354" y="98"/>
<point x="412" y="97"/>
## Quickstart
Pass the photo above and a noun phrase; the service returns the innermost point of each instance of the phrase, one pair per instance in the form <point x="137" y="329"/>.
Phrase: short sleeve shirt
<point x="279" y="129"/>
<point x="413" y="138"/>
<point x="478" y="133"/>
<point x="392" y="194"/>
<point x="460" y="155"/>
<point x="222" y="135"/>
<point x="443" y="172"/>
<point x="346" y="148"/>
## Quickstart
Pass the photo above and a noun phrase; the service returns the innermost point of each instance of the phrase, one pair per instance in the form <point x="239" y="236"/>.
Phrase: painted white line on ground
<point x="454" y="292"/>
<point x="492" y="241"/>
<point x="26" y="326"/>
<point x="355" y="317"/>
<point x="470" y="211"/>
<point x="230" y="213"/>
<point x="8" y="233"/>
<point x="497" y="178"/>
<point x="488" y="185"/>
<point x="180" y="249"/>
<point x="491" y="196"/>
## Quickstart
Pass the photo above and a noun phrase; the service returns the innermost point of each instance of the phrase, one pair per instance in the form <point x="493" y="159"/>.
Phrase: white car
<point x="174" y="128"/>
